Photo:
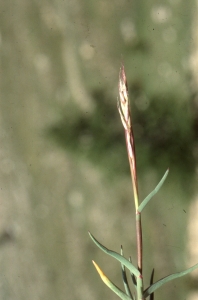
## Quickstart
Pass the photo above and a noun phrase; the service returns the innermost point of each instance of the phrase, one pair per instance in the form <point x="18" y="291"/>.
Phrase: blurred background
<point x="63" y="161"/>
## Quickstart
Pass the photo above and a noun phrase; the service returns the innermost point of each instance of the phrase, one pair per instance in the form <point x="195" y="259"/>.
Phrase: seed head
<point x="125" y="114"/>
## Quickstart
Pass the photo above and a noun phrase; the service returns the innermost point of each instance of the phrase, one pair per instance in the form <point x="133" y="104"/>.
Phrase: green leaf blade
<point x="150" y="196"/>
<point x="166" y="279"/>
<point x="117" y="256"/>
<point x="133" y="277"/>
<point x="151" y="282"/>
<point x="124" y="278"/>
<point x="111" y="285"/>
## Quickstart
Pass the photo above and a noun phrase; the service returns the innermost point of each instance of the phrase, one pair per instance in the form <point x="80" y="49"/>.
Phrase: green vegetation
<point x="139" y="292"/>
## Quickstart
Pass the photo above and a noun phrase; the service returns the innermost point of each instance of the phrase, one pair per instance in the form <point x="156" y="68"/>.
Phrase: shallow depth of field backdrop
<point x="63" y="162"/>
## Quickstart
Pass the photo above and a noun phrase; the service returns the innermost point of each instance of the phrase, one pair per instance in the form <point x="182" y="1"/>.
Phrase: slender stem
<point x="140" y="288"/>
<point x="130" y="145"/>
<point x="139" y="255"/>
<point x="139" y="240"/>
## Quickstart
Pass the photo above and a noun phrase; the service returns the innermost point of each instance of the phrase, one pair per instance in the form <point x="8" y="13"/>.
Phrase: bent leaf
<point x="159" y="283"/>
<point x="150" y="196"/>
<point x="117" y="256"/>
<point x="110" y="284"/>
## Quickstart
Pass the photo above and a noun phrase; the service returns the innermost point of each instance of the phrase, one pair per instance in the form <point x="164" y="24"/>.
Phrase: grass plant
<point x="139" y="291"/>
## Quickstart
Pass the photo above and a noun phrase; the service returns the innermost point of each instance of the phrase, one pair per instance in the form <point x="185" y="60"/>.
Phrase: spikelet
<point x="125" y="114"/>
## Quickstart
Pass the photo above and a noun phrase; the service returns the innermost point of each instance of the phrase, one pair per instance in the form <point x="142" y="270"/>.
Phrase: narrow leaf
<point x="117" y="256"/>
<point x="132" y="276"/>
<point x="160" y="282"/>
<point x="150" y="196"/>
<point x="110" y="284"/>
<point x="124" y="278"/>
<point x="151" y="282"/>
